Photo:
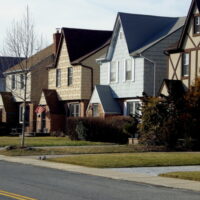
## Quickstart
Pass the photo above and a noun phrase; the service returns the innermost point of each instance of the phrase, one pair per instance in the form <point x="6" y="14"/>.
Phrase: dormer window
<point x="185" y="64"/>
<point x="197" y="25"/>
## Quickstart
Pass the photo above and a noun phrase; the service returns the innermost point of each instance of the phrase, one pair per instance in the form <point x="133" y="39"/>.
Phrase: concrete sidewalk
<point x="136" y="177"/>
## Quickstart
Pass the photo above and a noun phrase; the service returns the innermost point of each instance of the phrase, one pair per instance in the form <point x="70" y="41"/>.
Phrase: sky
<point x="91" y="14"/>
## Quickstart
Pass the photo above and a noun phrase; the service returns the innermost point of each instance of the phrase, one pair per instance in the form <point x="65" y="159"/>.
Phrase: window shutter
<point x="117" y="72"/>
<point x="108" y="72"/>
<point x="124" y="70"/>
<point x="133" y="69"/>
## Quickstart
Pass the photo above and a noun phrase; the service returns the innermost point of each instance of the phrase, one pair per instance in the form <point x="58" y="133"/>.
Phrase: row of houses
<point x="97" y="73"/>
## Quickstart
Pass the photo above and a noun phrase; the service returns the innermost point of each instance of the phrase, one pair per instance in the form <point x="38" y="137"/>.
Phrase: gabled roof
<point x="7" y="62"/>
<point x="143" y="31"/>
<point x="33" y="60"/>
<point x="187" y="23"/>
<point x="82" y="42"/>
<point x="53" y="102"/>
<point x="110" y="105"/>
<point x="8" y="102"/>
<point x="174" y="87"/>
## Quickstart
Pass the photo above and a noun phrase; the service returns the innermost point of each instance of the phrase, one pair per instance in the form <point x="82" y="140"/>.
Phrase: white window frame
<point x="116" y="64"/>
<point x="132" y="60"/>
<point x="131" y="101"/>
<point x="126" y="66"/>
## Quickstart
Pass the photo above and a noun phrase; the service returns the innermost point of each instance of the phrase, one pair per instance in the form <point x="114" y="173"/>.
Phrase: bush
<point x="172" y="119"/>
<point x="99" y="130"/>
<point x="4" y="129"/>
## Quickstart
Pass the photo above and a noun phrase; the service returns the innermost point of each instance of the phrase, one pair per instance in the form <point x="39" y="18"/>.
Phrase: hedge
<point x="98" y="130"/>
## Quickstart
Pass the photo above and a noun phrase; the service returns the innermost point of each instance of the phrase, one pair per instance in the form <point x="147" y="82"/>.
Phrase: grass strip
<point x="194" y="176"/>
<point x="70" y="150"/>
<point x="131" y="160"/>
<point x="45" y="141"/>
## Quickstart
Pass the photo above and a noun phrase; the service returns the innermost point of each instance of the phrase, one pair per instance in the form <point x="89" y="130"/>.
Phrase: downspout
<point x="154" y="70"/>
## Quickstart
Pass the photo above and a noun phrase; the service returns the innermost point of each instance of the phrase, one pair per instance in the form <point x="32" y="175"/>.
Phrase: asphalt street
<point x="25" y="182"/>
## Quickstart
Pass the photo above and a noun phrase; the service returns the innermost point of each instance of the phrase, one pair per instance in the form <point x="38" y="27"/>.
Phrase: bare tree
<point x="22" y="42"/>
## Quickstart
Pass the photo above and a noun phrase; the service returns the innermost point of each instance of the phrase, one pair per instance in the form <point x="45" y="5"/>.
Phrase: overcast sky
<point x="93" y="14"/>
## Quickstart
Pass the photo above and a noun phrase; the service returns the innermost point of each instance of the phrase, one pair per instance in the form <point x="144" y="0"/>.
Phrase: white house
<point x="134" y="63"/>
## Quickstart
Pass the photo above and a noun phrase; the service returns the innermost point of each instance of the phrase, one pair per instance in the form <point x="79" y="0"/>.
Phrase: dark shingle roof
<point x="7" y="62"/>
<point x="81" y="42"/>
<point x="53" y="102"/>
<point x="174" y="87"/>
<point x="142" y="30"/>
<point x="8" y="102"/>
<point x="34" y="60"/>
<point x="109" y="104"/>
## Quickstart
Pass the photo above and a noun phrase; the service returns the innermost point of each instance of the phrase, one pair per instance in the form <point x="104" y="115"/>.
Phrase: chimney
<point x="56" y="39"/>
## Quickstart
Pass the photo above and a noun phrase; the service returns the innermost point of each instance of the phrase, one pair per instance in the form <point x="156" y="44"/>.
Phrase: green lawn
<point x="194" y="176"/>
<point x="70" y="150"/>
<point x="44" y="141"/>
<point x="132" y="160"/>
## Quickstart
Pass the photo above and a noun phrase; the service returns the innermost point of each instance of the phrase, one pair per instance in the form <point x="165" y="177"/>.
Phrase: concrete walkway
<point x="136" y="177"/>
<point x="155" y="171"/>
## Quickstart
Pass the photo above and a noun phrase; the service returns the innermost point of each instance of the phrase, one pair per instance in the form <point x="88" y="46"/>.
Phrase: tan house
<point x="11" y="101"/>
<point x="184" y="57"/>
<point x="72" y="79"/>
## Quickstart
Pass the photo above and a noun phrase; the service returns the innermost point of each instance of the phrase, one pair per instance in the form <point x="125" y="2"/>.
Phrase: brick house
<point x="134" y="63"/>
<point x="72" y="79"/>
<point x="184" y="56"/>
<point x="11" y="101"/>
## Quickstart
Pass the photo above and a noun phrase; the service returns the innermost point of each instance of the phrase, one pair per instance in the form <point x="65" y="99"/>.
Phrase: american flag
<point x="40" y="109"/>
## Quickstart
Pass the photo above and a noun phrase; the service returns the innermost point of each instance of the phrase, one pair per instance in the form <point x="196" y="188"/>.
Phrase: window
<point x="74" y="110"/>
<point x="70" y="75"/>
<point x="197" y="24"/>
<point x="95" y="112"/>
<point x="128" y="70"/>
<point x="185" y="64"/>
<point x="132" y="107"/>
<point x="13" y="82"/>
<point x="113" y="71"/>
<point x="21" y="114"/>
<point x="58" y="77"/>
<point x="21" y="81"/>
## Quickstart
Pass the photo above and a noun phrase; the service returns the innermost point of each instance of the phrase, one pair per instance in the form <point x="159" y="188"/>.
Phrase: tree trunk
<point x="24" y="112"/>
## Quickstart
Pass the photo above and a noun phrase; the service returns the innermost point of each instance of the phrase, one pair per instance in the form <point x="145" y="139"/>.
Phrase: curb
<point x="136" y="177"/>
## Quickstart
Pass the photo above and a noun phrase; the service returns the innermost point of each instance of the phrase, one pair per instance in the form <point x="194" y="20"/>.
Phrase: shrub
<point x="4" y="129"/>
<point x="96" y="129"/>
<point x="172" y="119"/>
